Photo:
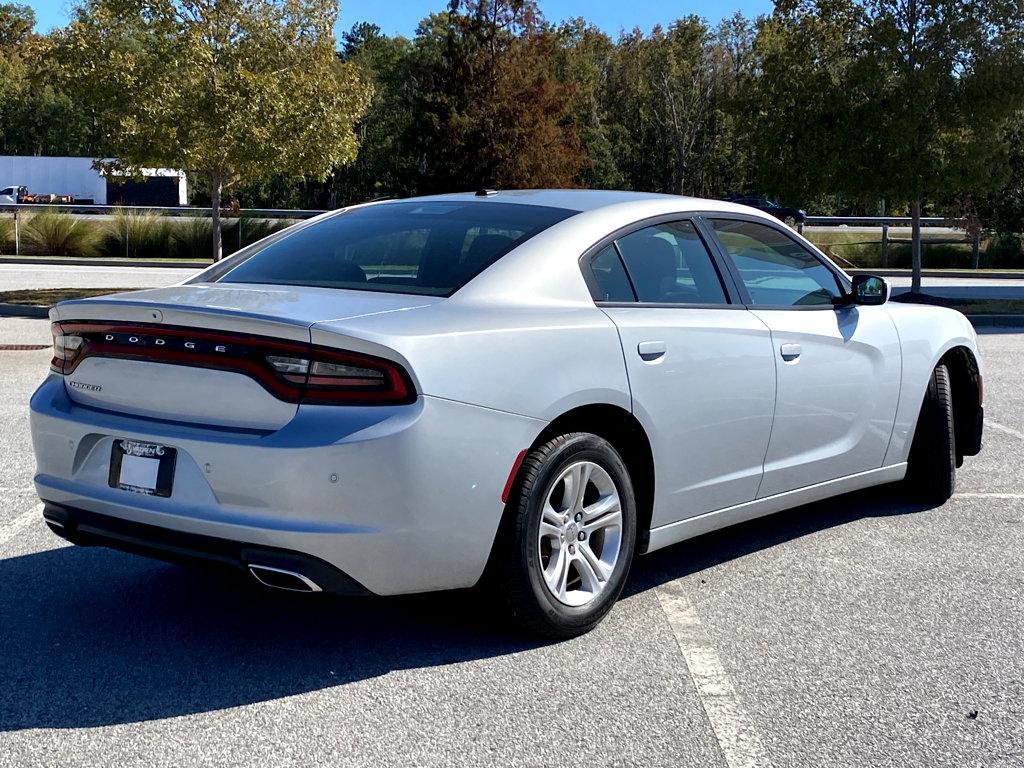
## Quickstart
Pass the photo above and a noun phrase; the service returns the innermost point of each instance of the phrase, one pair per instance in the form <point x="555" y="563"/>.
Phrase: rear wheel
<point x="565" y="548"/>
<point x="931" y="469"/>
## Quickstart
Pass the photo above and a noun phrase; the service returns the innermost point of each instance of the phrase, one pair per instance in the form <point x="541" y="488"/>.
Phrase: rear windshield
<point x="427" y="247"/>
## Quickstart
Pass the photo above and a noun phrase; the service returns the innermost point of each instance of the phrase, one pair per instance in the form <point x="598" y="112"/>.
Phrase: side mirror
<point x="868" y="289"/>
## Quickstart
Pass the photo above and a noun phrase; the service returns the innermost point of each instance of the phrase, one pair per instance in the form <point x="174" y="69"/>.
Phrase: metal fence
<point x="885" y="222"/>
<point x="16" y="209"/>
<point x="196" y="211"/>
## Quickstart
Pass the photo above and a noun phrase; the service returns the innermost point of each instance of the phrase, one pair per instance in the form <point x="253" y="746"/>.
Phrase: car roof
<point x="582" y="200"/>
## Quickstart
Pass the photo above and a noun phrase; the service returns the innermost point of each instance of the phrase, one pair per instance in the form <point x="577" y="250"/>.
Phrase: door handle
<point x="790" y="352"/>
<point x="651" y="351"/>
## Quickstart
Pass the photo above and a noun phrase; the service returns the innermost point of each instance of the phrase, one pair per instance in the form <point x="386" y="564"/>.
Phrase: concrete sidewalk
<point x="25" y="331"/>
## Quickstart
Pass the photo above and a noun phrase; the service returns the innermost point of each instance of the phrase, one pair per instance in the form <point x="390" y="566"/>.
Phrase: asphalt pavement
<point x="862" y="630"/>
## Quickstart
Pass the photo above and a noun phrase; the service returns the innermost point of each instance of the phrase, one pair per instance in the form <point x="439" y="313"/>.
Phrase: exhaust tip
<point x="283" y="579"/>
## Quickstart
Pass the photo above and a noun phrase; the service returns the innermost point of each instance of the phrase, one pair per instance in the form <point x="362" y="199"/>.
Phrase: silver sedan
<point x="523" y="389"/>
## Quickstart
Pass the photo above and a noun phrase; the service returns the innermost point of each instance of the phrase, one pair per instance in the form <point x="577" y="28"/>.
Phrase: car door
<point x="701" y="367"/>
<point x="838" y="368"/>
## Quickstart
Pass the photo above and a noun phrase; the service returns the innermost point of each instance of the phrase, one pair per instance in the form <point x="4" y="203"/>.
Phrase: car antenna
<point x="486" y="192"/>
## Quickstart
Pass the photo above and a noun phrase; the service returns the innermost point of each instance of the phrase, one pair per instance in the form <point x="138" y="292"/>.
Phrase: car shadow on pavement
<point x="92" y="637"/>
<point x="733" y="542"/>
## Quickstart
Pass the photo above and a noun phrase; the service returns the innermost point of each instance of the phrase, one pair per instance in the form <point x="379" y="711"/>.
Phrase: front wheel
<point x="931" y="469"/>
<point x="566" y="545"/>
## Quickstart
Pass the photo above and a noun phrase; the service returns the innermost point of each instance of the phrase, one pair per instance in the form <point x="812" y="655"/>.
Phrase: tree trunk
<point x="915" y="246"/>
<point x="216" y="190"/>
<point x="680" y="180"/>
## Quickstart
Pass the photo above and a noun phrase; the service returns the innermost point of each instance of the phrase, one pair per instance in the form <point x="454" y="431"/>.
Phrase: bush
<point x="136" y="235"/>
<point x="1004" y="250"/>
<point x="191" y="238"/>
<point x="6" y="234"/>
<point x="254" y="229"/>
<point x="57" y="234"/>
<point x="933" y="255"/>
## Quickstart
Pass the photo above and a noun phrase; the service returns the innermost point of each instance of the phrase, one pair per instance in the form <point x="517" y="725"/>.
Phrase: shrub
<point x="254" y="229"/>
<point x="136" y="235"/>
<point x="933" y="255"/>
<point x="6" y="234"/>
<point x="192" y="238"/>
<point x="55" y="234"/>
<point x="1004" y="250"/>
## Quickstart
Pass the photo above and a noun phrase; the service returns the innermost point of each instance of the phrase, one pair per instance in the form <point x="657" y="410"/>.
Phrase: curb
<point x="23" y="311"/>
<point x="978" y="274"/>
<point x="169" y="263"/>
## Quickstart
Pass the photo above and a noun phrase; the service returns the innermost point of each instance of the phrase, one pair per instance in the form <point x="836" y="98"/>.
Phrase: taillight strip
<point x="238" y="353"/>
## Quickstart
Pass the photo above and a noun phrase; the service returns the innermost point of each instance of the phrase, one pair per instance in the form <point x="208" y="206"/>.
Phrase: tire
<point x="931" y="469"/>
<point x="523" y="557"/>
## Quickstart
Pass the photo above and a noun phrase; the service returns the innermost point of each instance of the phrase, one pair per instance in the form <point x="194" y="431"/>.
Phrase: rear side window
<point x="776" y="270"/>
<point x="610" y="277"/>
<point x="670" y="264"/>
<point x="425" y="247"/>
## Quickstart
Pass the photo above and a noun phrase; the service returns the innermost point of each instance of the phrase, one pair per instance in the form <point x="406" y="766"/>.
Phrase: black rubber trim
<point x="83" y="527"/>
<point x="732" y="295"/>
<point x="969" y="444"/>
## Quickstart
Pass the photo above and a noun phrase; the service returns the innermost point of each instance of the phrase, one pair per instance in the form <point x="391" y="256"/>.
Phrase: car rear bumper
<point x="82" y="527"/>
<point x="394" y="499"/>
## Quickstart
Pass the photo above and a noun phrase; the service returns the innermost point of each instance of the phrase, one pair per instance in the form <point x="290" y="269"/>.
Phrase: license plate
<point x="144" y="468"/>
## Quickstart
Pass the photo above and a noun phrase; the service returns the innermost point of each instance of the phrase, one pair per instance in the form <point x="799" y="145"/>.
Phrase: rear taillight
<point x="66" y="348"/>
<point x="329" y="376"/>
<point x="291" y="371"/>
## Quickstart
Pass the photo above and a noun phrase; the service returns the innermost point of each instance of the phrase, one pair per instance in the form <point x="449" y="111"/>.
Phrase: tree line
<point x="834" y="105"/>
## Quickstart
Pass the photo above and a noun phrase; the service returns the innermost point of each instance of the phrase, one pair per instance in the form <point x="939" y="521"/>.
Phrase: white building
<point x="77" y="177"/>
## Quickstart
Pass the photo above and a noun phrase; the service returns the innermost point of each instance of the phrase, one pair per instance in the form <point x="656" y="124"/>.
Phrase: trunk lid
<point x="221" y="317"/>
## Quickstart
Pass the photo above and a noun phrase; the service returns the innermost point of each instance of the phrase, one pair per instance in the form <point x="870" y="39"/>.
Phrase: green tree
<point x="934" y="85"/>
<point x="490" y="108"/>
<point x="684" y="67"/>
<point x="585" y="60"/>
<point x="225" y="89"/>
<point x="387" y="162"/>
<point x="36" y="117"/>
<point x="797" y="107"/>
<point x="901" y="100"/>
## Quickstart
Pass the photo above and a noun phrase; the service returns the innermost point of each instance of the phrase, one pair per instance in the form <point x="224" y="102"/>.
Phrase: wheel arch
<point x="623" y="430"/>
<point x="966" y="386"/>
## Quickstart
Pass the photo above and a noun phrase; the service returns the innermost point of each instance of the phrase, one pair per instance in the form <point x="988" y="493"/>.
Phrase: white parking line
<point x="19" y="524"/>
<point x="986" y="495"/>
<point x="740" y="743"/>
<point x="1005" y="429"/>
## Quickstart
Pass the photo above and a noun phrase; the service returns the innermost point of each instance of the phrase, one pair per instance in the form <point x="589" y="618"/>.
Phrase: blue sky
<point x="401" y="16"/>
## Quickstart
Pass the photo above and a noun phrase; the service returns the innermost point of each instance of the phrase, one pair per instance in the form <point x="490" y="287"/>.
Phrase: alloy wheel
<point x="580" y="534"/>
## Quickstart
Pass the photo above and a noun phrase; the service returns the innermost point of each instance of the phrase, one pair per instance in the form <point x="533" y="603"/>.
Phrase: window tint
<point x="776" y="270"/>
<point x="610" y="276"/>
<point x="428" y="247"/>
<point x="669" y="263"/>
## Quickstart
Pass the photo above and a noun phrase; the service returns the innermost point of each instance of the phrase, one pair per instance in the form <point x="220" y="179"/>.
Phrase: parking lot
<point x="861" y="630"/>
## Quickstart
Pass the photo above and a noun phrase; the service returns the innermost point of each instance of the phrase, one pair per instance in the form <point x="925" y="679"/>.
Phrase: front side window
<point x="424" y="247"/>
<point x="670" y="264"/>
<point x="776" y="270"/>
